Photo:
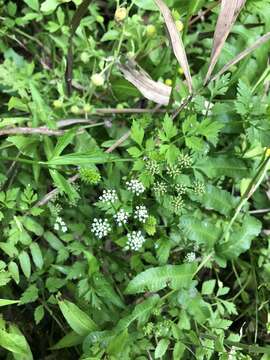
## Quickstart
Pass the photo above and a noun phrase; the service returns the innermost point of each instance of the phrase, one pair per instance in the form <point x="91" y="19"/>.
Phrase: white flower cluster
<point x="121" y="217"/>
<point x="135" y="240"/>
<point x="100" y="228"/>
<point x="141" y="213"/>
<point x="190" y="257"/>
<point x="108" y="196"/>
<point x="135" y="186"/>
<point x="60" y="225"/>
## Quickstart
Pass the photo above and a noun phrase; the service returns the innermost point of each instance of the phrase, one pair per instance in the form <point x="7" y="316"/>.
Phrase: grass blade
<point x="243" y="54"/>
<point x="176" y="41"/>
<point x="229" y="11"/>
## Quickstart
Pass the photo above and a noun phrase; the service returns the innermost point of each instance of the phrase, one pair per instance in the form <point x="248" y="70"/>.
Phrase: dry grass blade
<point x="176" y="41"/>
<point x="152" y="90"/>
<point x="243" y="54"/>
<point x="229" y="11"/>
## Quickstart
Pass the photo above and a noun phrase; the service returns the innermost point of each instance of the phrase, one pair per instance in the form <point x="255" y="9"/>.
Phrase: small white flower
<point x="207" y="108"/>
<point x="121" y="217"/>
<point x="109" y="196"/>
<point x="135" y="186"/>
<point x="60" y="225"/>
<point x="135" y="240"/>
<point x="100" y="228"/>
<point x="190" y="257"/>
<point x="141" y="213"/>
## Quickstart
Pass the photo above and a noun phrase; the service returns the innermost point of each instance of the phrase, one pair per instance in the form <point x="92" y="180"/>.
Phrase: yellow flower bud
<point x="58" y="103"/>
<point x="180" y="71"/>
<point x="120" y="14"/>
<point x="168" y="82"/>
<point x="87" y="108"/>
<point x="97" y="79"/>
<point x="151" y="30"/>
<point x="179" y="25"/>
<point x="267" y="152"/>
<point x="74" y="109"/>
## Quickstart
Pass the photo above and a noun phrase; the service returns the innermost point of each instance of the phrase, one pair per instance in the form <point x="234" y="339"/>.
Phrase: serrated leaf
<point x="77" y="319"/>
<point x="155" y="279"/>
<point x="161" y="348"/>
<point x="223" y="166"/>
<point x="29" y="295"/>
<point x="218" y="200"/>
<point x="32" y="225"/>
<point x="137" y="132"/>
<point x="39" y="314"/>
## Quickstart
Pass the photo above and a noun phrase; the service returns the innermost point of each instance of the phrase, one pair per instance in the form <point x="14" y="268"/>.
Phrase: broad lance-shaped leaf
<point x="155" y="279"/>
<point x="176" y="41"/>
<point x="242" y="55"/>
<point x="227" y="16"/>
<point x="152" y="90"/>
<point x="77" y="319"/>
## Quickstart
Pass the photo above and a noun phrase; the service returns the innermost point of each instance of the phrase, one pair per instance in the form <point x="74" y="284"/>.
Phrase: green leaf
<point x="39" y="314"/>
<point x="155" y="279"/>
<point x="93" y="157"/>
<point x="63" y="142"/>
<point x="218" y="200"/>
<point x="54" y="242"/>
<point x="64" y="185"/>
<point x="134" y="152"/>
<point x="13" y="342"/>
<point x="161" y="348"/>
<point x="137" y="132"/>
<point x="14" y="271"/>
<point x="77" y="319"/>
<point x="169" y="128"/>
<point x="36" y="255"/>
<point x="210" y="129"/>
<point x="240" y="239"/>
<point x="5" y="302"/>
<point x="223" y="166"/>
<point x="15" y="331"/>
<point x="140" y="313"/>
<point x="33" y="4"/>
<point x="146" y="4"/>
<point x="25" y="263"/>
<point x="29" y="295"/>
<point x="69" y="340"/>
<point x="32" y="225"/>
<point x="178" y="350"/>
<point x="49" y="6"/>
<point x="202" y="232"/>
<point x="208" y="287"/>
<point x="117" y="344"/>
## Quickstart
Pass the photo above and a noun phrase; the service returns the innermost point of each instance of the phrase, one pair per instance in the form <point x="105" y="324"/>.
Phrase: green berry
<point x="84" y="57"/>
<point x="151" y="30"/>
<point x="74" y="109"/>
<point x="58" y="104"/>
<point x="97" y="79"/>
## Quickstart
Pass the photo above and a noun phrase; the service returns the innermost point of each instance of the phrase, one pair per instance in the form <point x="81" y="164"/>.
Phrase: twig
<point x="28" y="130"/>
<point x="128" y="111"/>
<point x="118" y="142"/>
<point x="260" y="211"/>
<point x="203" y="13"/>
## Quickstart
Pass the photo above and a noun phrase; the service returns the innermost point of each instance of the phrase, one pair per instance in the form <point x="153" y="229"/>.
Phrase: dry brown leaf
<point x="242" y="54"/>
<point x="229" y="11"/>
<point x="152" y="90"/>
<point x="176" y="41"/>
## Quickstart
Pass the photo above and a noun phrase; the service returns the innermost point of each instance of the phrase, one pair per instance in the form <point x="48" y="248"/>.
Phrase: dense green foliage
<point x="154" y="246"/>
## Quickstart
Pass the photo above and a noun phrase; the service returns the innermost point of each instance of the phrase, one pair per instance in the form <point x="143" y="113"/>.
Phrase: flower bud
<point x="179" y="25"/>
<point x="74" y="109"/>
<point x="168" y="82"/>
<point x="97" y="79"/>
<point x="120" y="14"/>
<point x="87" y="108"/>
<point x="58" y="103"/>
<point x="151" y="30"/>
<point x="84" y="57"/>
